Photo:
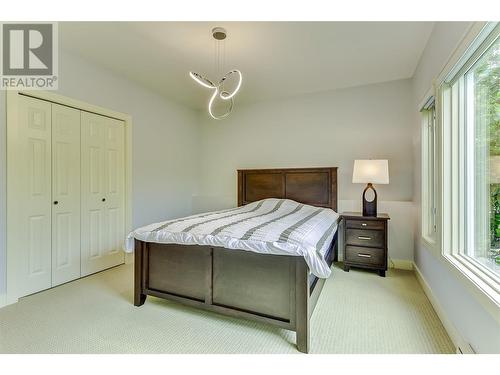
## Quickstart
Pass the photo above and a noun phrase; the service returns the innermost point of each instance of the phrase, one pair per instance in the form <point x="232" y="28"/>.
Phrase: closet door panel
<point x="114" y="190"/>
<point x="65" y="194"/>
<point x="102" y="192"/>
<point x="93" y="209"/>
<point x="33" y="198"/>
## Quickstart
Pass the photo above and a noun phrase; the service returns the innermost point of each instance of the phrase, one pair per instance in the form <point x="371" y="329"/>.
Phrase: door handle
<point x="364" y="224"/>
<point x="56" y="202"/>
<point x="364" y="255"/>
<point x="103" y="199"/>
<point x="364" y="238"/>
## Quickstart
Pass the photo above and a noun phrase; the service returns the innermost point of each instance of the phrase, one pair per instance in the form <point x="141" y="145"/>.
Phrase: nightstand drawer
<point x="362" y="237"/>
<point x="365" y="255"/>
<point x="366" y="224"/>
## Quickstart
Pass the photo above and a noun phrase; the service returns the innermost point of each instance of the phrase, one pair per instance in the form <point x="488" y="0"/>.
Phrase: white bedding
<point x="269" y="226"/>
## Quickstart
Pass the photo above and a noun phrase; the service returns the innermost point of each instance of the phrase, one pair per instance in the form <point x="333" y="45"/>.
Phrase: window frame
<point x="454" y="166"/>
<point x="429" y="176"/>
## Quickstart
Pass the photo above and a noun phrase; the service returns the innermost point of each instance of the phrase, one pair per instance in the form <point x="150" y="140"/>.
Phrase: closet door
<point x="102" y="193"/>
<point x="114" y="191"/>
<point x="65" y="194"/>
<point x="32" y="232"/>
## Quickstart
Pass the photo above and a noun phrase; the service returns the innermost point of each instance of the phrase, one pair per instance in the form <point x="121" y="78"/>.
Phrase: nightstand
<point x="365" y="241"/>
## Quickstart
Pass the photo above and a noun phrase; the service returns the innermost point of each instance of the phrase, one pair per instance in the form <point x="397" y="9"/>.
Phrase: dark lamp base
<point x="369" y="208"/>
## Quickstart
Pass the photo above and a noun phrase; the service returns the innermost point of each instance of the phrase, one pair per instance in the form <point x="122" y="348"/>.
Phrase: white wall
<point x="165" y="142"/>
<point x="325" y="129"/>
<point x="165" y="138"/>
<point x="476" y="326"/>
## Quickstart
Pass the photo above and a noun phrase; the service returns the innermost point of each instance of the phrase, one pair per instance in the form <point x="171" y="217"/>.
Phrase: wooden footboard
<point x="272" y="289"/>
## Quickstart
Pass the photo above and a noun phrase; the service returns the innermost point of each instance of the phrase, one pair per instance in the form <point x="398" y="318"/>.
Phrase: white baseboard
<point x="460" y="344"/>
<point x="400" y="264"/>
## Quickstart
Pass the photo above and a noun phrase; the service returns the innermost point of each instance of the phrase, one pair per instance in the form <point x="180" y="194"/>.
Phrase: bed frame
<point x="274" y="289"/>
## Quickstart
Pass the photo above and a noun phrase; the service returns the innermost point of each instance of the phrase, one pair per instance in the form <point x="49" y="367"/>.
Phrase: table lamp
<point x="370" y="172"/>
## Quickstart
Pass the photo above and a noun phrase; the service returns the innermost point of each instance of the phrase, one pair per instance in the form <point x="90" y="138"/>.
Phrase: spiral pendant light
<point x="219" y="89"/>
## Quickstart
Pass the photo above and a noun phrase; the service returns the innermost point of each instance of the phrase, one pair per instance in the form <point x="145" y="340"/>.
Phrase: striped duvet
<point x="269" y="226"/>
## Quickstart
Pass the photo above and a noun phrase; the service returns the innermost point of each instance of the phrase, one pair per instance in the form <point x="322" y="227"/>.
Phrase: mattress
<point x="269" y="226"/>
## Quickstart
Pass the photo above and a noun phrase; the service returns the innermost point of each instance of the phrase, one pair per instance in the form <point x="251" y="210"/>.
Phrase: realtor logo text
<point x="28" y="56"/>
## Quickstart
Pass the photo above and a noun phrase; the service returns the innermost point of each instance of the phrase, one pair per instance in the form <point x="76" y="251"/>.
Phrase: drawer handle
<point x="364" y="224"/>
<point x="364" y="255"/>
<point x="364" y="238"/>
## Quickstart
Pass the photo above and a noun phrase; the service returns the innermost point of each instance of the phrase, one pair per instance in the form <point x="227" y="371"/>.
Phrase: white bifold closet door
<point x="103" y="192"/>
<point x="47" y="233"/>
<point x="65" y="194"/>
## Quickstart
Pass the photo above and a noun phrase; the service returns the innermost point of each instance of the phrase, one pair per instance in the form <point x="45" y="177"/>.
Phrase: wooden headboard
<point x="313" y="186"/>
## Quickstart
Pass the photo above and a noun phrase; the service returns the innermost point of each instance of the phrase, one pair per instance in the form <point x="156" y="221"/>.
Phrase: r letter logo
<point x="29" y="56"/>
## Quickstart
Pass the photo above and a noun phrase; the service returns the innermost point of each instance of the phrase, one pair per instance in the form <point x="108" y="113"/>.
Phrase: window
<point x="429" y="173"/>
<point x="470" y="105"/>
<point x="482" y="122"/>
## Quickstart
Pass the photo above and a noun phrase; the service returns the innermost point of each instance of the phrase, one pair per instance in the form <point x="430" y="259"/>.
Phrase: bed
<point x="249" y="266"/>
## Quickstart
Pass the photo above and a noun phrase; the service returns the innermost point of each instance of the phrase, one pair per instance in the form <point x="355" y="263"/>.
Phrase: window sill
<point x="478" y="283"/>
<point x="489" y="265"/>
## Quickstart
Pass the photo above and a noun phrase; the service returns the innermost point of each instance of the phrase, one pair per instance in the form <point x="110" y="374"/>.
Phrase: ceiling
<point x="277" y="59"/>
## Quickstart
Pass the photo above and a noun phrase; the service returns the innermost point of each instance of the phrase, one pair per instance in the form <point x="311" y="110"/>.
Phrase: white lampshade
<point x="370" y="171"/>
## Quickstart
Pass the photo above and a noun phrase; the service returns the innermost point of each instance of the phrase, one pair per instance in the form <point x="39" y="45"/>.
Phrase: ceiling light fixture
<point x="220" y="91"/>
<point x="202" y="80"/>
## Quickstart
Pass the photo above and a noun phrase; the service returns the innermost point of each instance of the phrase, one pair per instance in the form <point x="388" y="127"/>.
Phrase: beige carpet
<point x="358" y="312"/>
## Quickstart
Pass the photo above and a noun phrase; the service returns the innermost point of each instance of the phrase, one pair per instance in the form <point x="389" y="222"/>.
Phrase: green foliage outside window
<point x="487" y="89"/>
<point x="487" y="82"/>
